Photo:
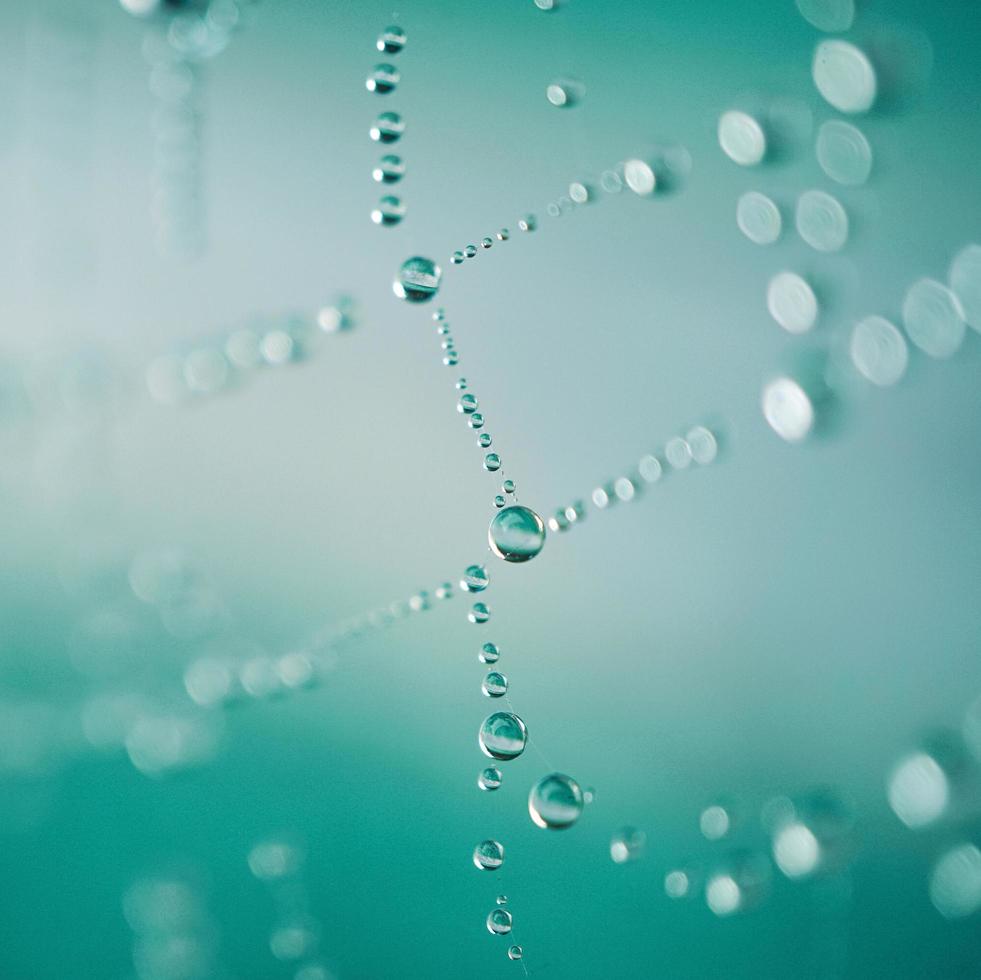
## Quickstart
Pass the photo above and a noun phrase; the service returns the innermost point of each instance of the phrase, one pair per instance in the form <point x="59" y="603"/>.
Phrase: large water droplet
<point x="933" y="318"/>
<point x="758" y="218"/>
<point x="490" y="779"/>
<point x="555" y="801"/>
<point x="390" y="169"/>
<point x="741" y="138"/>
<point x="879" y="351"/>
<point x="418" y="280"/>
<point x="495" y="685"/>
<point x="844" y="153"/>
<point x="388" y="128"/>
<point x="844" y="76"/>
<point x="516" y="534"/>
<point x="502" y="736"/>
<point x="488" y="855"/>
<point x="391" y="40"/>
<point x="821" y="221"/>
<point x="499" y="922"/>
<point x="383" y="79"/>
<point x="792" y="302"/>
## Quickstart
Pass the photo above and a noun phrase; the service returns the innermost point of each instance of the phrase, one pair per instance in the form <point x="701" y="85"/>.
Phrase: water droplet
<point x="390" y="211"/>
<point x="649" y="469"/>
<point x="955" y="882"/>
<point x="627" y="844"/>
<point x="601" y="497"/>
<point x="792" y="302"/>
<point x="499" y="922"/>
<point x="494" y="685"/>
<point x="579" y="192"/>
<point x="418" y="280"/>
<point x="965" y="280"/>
<point x="933" y="318"/>
<point x="457" y="258"/>
<point x="788" y="409"/>
<point x="502" y="899"/>
<point x="555" y="801"/>
<point x="832" y="16"/>
<point x="565" y="93"/>
<point x="821" y="221"/>
<point x="492" y="462"/>
<point x="610" y="182"/>
<point x="475" y="579"/>
<point x="467" y="404"/>
<point x="624" y="488"/>
<point x="702" y="444"/>
<point x="484" y="440"/>
<point x="388" y="128"/>
<point x="758" y="218"/>
<point x="489" y="653"/>
<point x="508" y="486"/>
<point x="383" y="79"/>
<point x="553" y="210"/>
<point x="476" y="421"/>
<point x="844" y="153"/>
<point x="844" y="76"/>
<point x="503" y="235"/>
<point x="796" y="850"/>
<point x="390" y="170"/>
<point x="470" y="251"/>
<point x="488" y="855"/>
<point x="479" y="613"/>
<point x="528" y="223"/>
<point x="515" y="952"/>
<point x="558" y="522"/>
<point x="742" y="138"/>
<point x="486" y="242"/>
<point x="502" y="736"/>
<point x="640" y="178"/>
<point x="461" y="384"/>
<point x="516" y="534"/>
<point x="451" y="360"/>
<point x="714" y="822"/>
<point x="445" y="591"/>
<point x="391" y="40"/>
<point x="678" y="453"/>
<point x="918" y="790"/>
<point x="490" y="779"/>
<point x="676" y="884"/>
<point x="499" y="501"/>
<point x="879" y="351"/>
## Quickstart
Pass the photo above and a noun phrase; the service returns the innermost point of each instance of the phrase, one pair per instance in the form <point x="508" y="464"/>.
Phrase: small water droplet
<point x="461" y="384"/>
<point x="391" y="40"/>
<point x="479" y="613"/>
<point x="451" y="360"/>
<point x="515" y="952"/>
<point x="418" y="280"/>
<point x="388" y="128"/>
<point x="489" y="653"/>
<point x="879" y="351"/>
<point x="475" y="579"/>
<point x="758" y="218"/>
<point x="580" y="193"/>
<point x="555" y="801"/>
<point x="502" y="736"/>
<point x="565" y="92"/>
<point x="611" y="182"/>
<point x="499" y="922"/>
<point x="488" y="855"/>
<point x="502" y="899"/>
<point x="494" y="685"/>
<point x="792" y="302"/>
<point x="467" y="404"/>
<point x="486" y="242"/>
<point x="516" y="534"/>
<point x="390" y="170"/>
<point x="499" y="501"/>
<point x="742" y="138"/>
<point x="390" y="211"/>
<point x="624" y="488"/>
<point x="384" y="78"/>
<point x="492" y="462"/>
<point x="470" y="251"/>
<point x="503" y="235"/>
<point x="457" y="258"/>
<point x="508" y="486"/>
<point x="484" y="440"/>
<point x="528" y="223"/>
<point x="490" y="779"/>
<point x="821" y="221"/>
<point x="476" y="421"/>
<point x="844" y="76"/>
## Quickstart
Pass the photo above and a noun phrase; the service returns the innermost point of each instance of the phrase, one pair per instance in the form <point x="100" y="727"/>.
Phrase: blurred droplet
<point x="955" y="882"/>
<point x="758" y="218"/>
<point x="639" y="177"/>
<point x="387" y="128"/>
<point x="919" y="790"/>
<point x="565" y="92"/>
<point x="844" y="76"/>
<point x="844" y="153"/>
<point x="788" y="409"/>
<point x="821" y="221"/>
<point x="627" y="844"/>
<point x="933" y="318"/>
<point x="390" y="211"/>
<point x="832" y="16"/>
<point x="714" y="822"/>
<point x="791" y="302"/>
<point x="391" y="40"/>
<point x="878" y="350"/>
<point x="965" y="281"/>
<point x="384" y="78"/>
<point x="742" y="138"/>
<point x="677" y="452"/>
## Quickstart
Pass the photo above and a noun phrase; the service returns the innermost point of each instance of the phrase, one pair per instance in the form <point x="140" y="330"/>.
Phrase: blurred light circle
<point x="788" y="409"/>
<point x="844" y="76"/>
<point x="918" y="790"/>
<point x="933" y="318"/>
<point x="791" y="302"/>
<point x="758" y="218"/>
<point x="742" y="138"/>
<point x="878" y="351"/>
<point x="955" y="882"/>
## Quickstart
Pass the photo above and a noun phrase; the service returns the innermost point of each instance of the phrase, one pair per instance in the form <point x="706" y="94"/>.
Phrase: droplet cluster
<point x="383" y="79"/>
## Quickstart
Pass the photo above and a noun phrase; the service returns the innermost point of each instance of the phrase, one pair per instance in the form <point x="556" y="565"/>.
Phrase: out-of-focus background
<point x="238" y="721"/>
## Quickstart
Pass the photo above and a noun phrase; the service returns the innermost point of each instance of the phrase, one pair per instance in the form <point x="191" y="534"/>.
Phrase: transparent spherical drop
<point x="878" y="350"/>
<point x="384" y="78"/>
<point x="486" y="242"/>
<point x="508" y="486"/>
<point x="390" y="211"/>
<point x="484" y="440"/>
<point x="476" y="420"/>
<point x="492" y="462"/>
<point x="388" y="128"/>
<point x="488" y="855"/>
<point x="499" y="922"/>
<point x="417" y="280"/>
<point x="475" y="579"/>
<point x="844" y="76"/>
<point x="792" y="302"/>
<point x="467" y="404"/>
<point x="844" y="153"/>
<point x="742" y="138"/>
<point x="515" y="952"/>
<point x="390" y="170"/>
<point x="494" y="685"/>
<point x="933" y="318"/>
<point x="502" y="900"/>
<point x="490" y="779"/>
<point x="457" y="258"/>
<point x="489" y="653"/>
<point x="479" y="613"/>
<point x="499" y="501"/>
<point x="788" y="409"/>
<point x="516" y="534"/>
<point x="502" y="736"/>
<point x="391" y="40"/>
<point x="821" y="221"/>
<point x="758" y="218"/>
<point x="470" y="251"/>
<point x="528" y="223"/>
<point x="555" y="801"/>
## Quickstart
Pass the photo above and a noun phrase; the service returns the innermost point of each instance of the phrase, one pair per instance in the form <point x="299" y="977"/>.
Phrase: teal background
<point x="788" y="617"/>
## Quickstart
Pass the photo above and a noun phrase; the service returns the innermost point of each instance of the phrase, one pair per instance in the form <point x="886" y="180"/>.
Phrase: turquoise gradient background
<point x="786" y="618"/>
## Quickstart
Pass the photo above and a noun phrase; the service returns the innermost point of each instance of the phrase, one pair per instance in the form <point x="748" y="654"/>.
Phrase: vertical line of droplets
<point x="387" y="128"/>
